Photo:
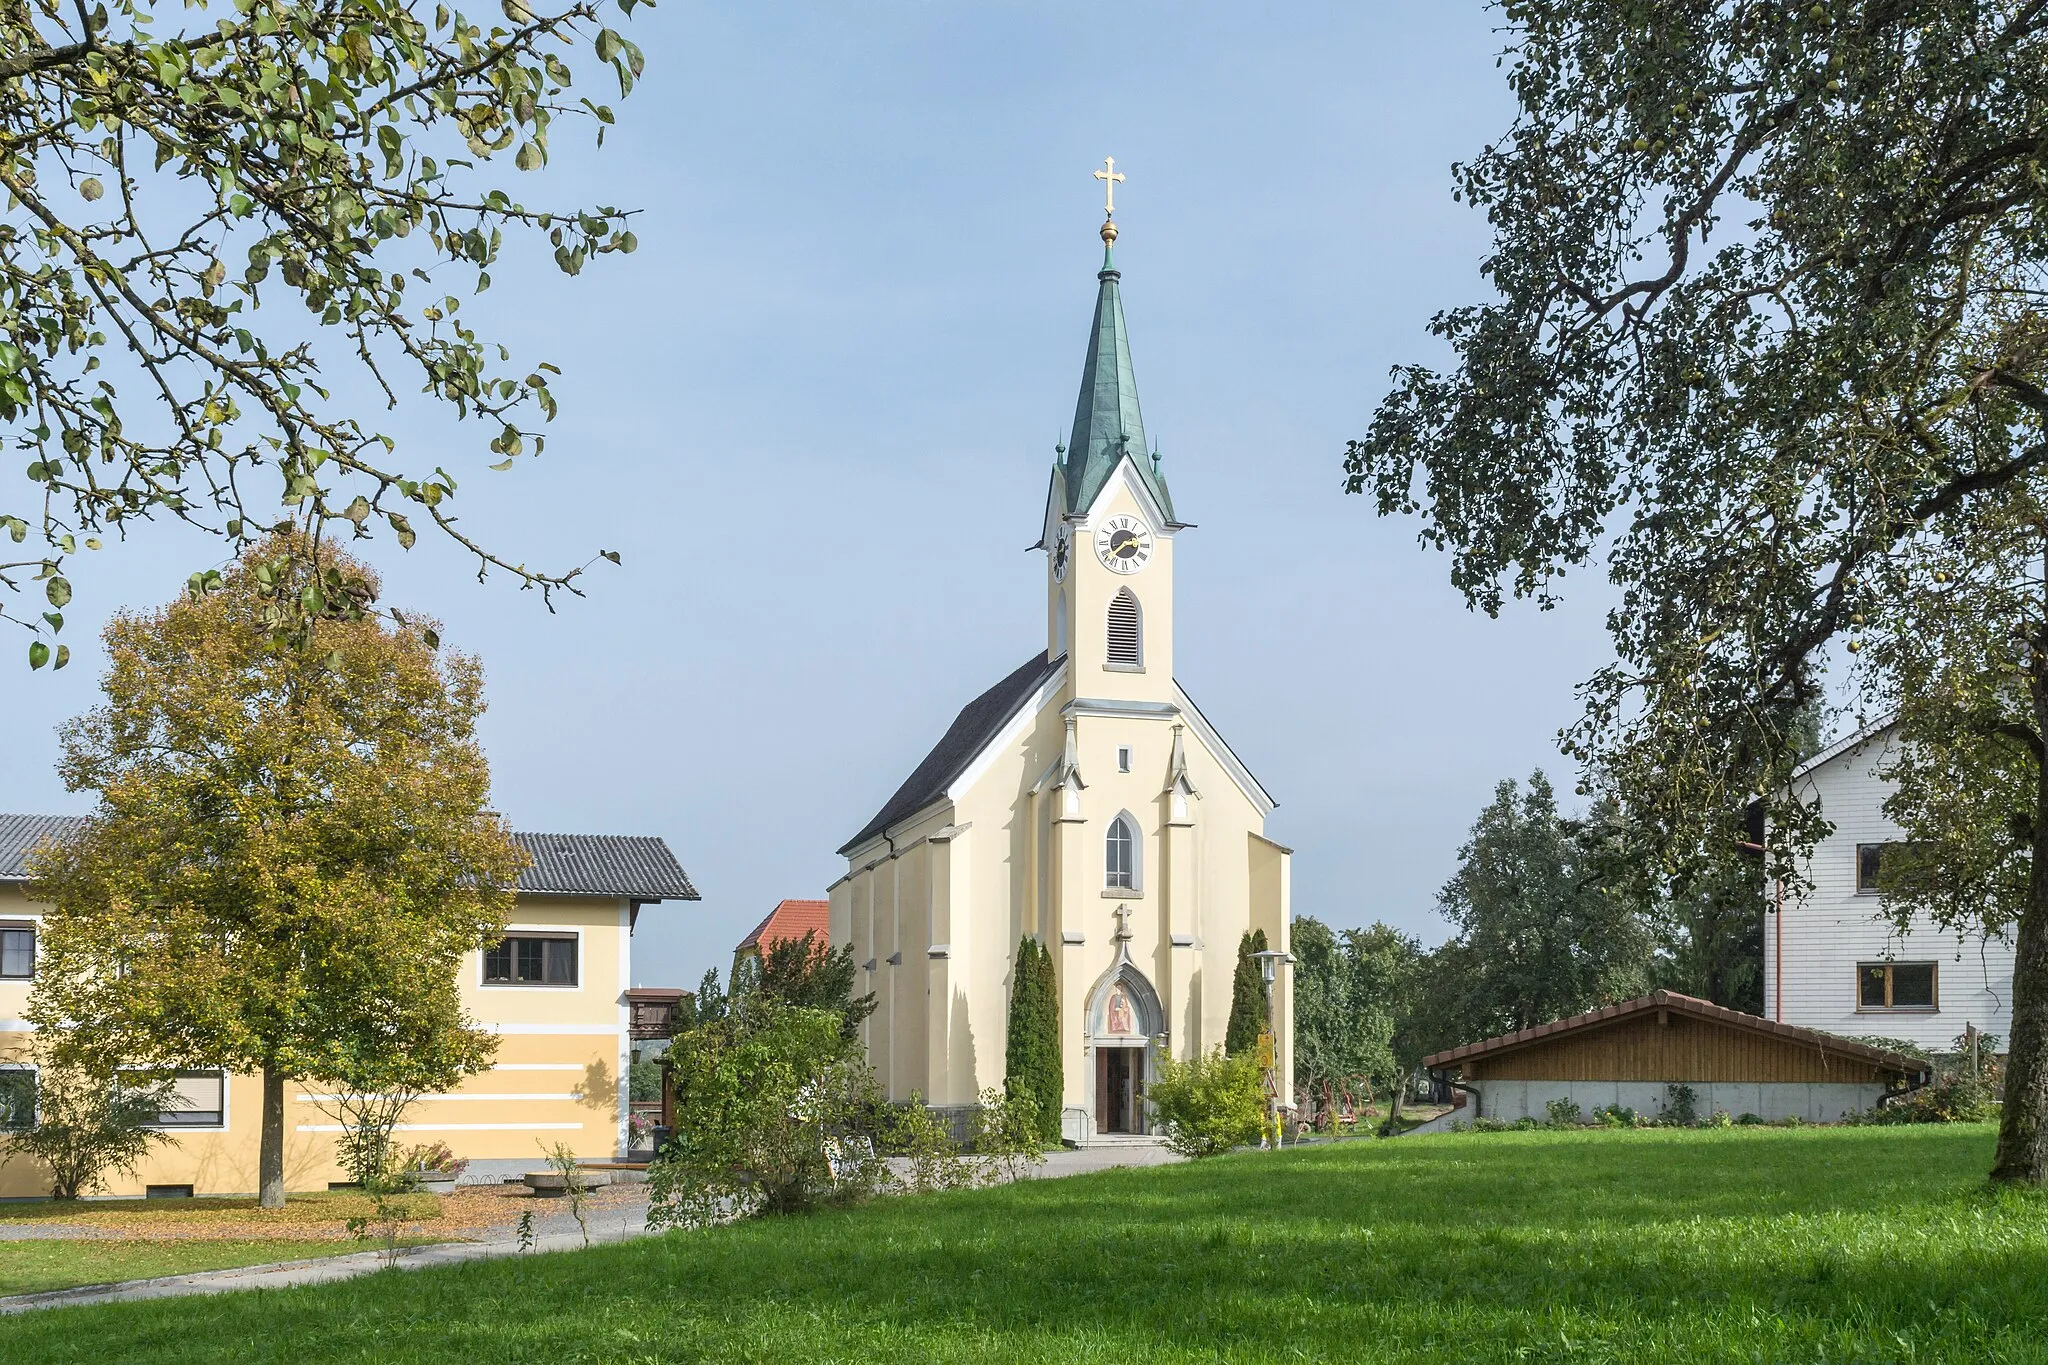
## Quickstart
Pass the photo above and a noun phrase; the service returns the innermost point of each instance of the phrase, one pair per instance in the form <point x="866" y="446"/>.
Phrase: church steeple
<point x="1107" y="422"/>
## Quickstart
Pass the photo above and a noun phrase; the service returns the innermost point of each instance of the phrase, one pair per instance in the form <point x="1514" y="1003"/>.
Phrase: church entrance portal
<point x="1120" y="1089"/>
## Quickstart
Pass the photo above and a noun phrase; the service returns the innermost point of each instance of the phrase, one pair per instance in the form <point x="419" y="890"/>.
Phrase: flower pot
<point x="433" y="1182"/>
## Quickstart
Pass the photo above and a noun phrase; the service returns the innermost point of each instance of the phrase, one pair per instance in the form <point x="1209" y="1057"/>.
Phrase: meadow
<point x="1872" y="1244"/>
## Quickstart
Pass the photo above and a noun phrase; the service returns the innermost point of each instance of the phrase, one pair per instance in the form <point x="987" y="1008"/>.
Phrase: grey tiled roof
<point x="19" y="834"/>
<point x="625" y="865"/>
<point x="980" y="721"/>
<point x="639" y="866"/>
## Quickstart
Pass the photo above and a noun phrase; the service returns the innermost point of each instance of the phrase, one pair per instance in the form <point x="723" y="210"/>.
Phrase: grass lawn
<point x="32" y="1267"/>
<point x="144" y="1238"/>
<point x="1737" y="1245"/>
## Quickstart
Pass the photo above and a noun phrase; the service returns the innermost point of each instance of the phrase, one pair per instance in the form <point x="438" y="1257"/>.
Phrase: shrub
<point x="1563" y="1114"/>
<point x="1617" y="1116"/>
<point x="86" y="1127"/>
<point x="1957" y="1097"/>
<point x="1719" y="1119"/>
<point x="775" y="1113"/>
<point x="1209" y="1104"/>
<point x="1750" y="1120"/>
<point x="1681" y="1106"/>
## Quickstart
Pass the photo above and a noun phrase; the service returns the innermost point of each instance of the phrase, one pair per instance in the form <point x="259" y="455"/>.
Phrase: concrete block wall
<point x="1815" y="1102"/>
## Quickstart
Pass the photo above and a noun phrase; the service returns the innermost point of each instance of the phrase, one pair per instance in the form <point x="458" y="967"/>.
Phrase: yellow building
<point x="1085" y="801"/>
<point x="554" y="991"/>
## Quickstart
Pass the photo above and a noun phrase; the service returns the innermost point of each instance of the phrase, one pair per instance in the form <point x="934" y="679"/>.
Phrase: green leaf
<point x="612" y="555"/>
<point x="90" y="189"/>
<point x="63" y="656"/>
<point x="55" y="618"/>
<point x="58" y="590"/>
<point x="609" y="44"/>
<point x="38" y="654"/>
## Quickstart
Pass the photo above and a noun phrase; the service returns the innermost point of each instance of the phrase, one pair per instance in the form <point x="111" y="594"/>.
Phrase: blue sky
<point x="815" y="413"/>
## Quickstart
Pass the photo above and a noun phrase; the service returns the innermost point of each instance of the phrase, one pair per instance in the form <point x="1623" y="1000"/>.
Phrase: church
<point x="1084" y="801"/>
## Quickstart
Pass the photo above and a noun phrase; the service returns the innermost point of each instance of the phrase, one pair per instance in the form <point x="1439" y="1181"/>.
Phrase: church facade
<point x="1083" y="801"/>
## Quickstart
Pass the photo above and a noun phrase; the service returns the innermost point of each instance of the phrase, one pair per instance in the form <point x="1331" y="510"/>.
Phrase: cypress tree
<point x="1051" y="1081"/>
<point x="1248" y="1005"/>
<point x="1031" y="1051"/>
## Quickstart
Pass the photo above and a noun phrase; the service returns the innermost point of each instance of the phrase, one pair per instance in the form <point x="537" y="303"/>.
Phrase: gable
<point x="977" y="725"/>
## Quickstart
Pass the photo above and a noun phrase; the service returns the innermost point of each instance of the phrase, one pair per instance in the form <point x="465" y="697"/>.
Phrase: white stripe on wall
<point x="607" y="1030"/>
<point x="451" y="1127"/>
<point x="437" y="1099"/>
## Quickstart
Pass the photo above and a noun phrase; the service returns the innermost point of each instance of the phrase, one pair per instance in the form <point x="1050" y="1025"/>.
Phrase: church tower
<point x="1109" y="519"/>
<point x="1083" y="801"/>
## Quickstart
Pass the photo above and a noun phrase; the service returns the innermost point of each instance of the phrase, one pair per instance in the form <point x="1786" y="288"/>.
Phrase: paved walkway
<point x="554" y="1231"/>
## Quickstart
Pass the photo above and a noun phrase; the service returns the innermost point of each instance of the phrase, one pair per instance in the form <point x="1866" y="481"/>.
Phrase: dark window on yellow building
<point x="531" y="960"/>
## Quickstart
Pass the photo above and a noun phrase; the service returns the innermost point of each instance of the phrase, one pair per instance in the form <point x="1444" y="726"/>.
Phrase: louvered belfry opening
<point x="1126" y="631"/>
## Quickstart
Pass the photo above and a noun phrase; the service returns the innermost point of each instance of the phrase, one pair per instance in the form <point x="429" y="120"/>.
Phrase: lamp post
<point x="1269" y="971"/>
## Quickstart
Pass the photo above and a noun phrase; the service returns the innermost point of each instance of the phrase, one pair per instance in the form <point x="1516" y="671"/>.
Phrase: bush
<point x="86" y="1127"/>
<point x="1563" y="1114"/>
<point x="1957" y="1097"/>
<point x="1618" y="1116"/>
<point x="1719" y="1119"/>
<point x="1209" y="1104"/>
<point x="1681" y="1106"/>
<point x="775" y="1113"/>
<point x="1750" y="1121"/>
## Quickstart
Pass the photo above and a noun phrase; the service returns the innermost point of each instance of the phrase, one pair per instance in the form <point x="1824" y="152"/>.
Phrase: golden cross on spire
<point x="1110" y="177"/>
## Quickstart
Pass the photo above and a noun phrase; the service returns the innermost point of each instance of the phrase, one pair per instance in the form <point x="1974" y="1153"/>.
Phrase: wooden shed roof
<point x="1704" y="1010"/>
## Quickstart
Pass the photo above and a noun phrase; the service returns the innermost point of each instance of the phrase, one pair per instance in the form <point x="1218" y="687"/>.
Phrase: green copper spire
<point x="1107" y="423"/>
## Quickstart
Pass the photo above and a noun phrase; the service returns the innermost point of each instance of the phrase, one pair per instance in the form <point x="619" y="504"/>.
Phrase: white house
<point x="1833" y="962"/>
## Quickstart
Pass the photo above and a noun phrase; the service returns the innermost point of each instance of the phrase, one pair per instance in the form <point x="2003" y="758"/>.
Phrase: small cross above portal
<point x="1123" y="923"/>
<point x="1110" y="177"/>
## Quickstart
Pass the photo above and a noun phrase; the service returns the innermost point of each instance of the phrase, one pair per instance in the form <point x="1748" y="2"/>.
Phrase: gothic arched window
<point x="1126" y="630"/>
<point x="1120" y="854"/>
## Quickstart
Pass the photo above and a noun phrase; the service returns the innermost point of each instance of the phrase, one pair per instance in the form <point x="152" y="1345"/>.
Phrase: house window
<point x="1123" y="758"/>
<point x="17" y="1098"/>
<point x="1120" y="860"/>
<point x="198" y="1099"/>
<point x="1896" y="986"/>
<point x="17" y="951"/>
<point x="531" y="960"/>
<point x="1126" y="631"/>
<point x="1870" y="865"/>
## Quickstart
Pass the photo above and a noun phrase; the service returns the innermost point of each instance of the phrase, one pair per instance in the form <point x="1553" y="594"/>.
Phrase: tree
<point x="810" y="973"/>
<point x="289" y="857"/>
<point x="1537" y="938"/>
<point x="1823" y="435"/>
<point x="83" y="1128"/>
<point x="1350" y="991"/>
<point x="1249" y="1009"/>
<point x="1031" y="1052"/>
<point x="168" y="170"/>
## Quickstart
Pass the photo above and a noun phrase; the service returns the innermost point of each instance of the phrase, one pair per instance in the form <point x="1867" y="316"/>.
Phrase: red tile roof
<point x="1684" y="1004"/>
<point x="790" y="919"/>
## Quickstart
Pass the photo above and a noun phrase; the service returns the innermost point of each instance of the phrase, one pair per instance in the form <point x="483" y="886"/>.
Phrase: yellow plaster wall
<point x="555" y="1078"/>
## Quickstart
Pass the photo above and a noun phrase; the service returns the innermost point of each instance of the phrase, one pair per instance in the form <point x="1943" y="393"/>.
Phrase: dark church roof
<point x="624" y="865"/>
<point x="979" y="722"/>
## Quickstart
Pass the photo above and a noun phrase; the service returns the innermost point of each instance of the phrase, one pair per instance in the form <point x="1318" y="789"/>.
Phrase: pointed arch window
<point x="1121" y="850"/>
<point x="1126" y="631"/>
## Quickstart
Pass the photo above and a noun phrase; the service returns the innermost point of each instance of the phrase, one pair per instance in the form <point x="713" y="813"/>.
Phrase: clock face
<point x="1123" y="544"/>
<point x="1062" y="552"/>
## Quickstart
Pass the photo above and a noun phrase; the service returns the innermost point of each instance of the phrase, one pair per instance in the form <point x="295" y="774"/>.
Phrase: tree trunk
<point x="2022" y="1150"/>
<point x="270" y="1156"/>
